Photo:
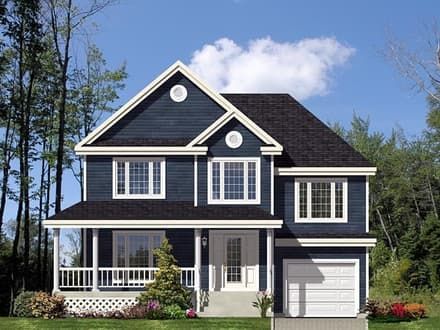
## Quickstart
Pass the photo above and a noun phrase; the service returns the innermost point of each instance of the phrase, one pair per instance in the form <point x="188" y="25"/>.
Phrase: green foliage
<point x="173" y="312"/>
<point x="46" y="306"/>
<point x="166" y="288"/>
<point x="22" y="304"/>
<point x="390" y="279"/>
<point x="380" y="255"/>
<point x="264" y="303"/>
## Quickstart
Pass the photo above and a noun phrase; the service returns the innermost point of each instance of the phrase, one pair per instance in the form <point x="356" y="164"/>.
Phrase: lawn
<point x="71" y="323"/>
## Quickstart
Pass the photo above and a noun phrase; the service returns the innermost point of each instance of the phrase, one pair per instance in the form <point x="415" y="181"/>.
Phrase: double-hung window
<point x="135" y="249"/>
<point x="321" y="200"/>
<point x="139" y="178"/>
<point x="234" y="181"/>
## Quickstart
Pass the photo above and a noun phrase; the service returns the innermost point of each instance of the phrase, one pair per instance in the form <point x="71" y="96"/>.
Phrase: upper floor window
<point x="139" y="178"/>
<point x="321" y="200"/>
<point x="234" y="181"/>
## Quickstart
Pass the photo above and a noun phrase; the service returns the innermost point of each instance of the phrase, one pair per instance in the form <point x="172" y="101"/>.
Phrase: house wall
<point x="317" y="253"/>
<point x="159" y="117"/>
<point x="285" y="208"/>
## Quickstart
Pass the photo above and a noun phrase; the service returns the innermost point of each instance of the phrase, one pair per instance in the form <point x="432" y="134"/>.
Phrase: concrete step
<point x="225" y="303"/>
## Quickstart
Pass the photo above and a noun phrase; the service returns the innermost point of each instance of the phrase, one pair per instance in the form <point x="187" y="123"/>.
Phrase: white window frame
<point x="332" y="219"/>
<point x="126" y="233"/>
<point x="150" y="195"/>
<point x="222" y="160"/>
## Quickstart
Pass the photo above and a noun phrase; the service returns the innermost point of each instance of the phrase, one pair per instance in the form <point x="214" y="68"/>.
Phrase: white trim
<point x="127" y="234"/>
<point x="56" y="260"/>
<point x="150" y="194"/>
<point x="142" y="151"/>
<point x="269" y="259"/>
<point x="85" y="178"/>
<point x="243" y="119"/>
<point x="197" y="265"/>
<point x="245" y="160"/>
<point x="95" y="259"/>
<point x="124" y="223"/>
<point x="356" y="263"/>
<point x="155" y="84"/>
<point x="367" y="204"/>
<point x="334" y="242"/>
<point x="309" y="218"/>
<point x="196" y="182"/>
<point x="367" y="273"/>
<point x="272" y="187"/>
<point x="325" y="171"/>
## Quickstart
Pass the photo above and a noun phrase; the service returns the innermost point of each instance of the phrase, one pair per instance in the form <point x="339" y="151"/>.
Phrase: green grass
<point x="71" y="323"/>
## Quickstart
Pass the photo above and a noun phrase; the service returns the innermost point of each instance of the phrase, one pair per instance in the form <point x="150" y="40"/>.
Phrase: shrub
<point x="166" y="288"/>
<point x="264" y="303"/>
<point x="154" y="311"/>
<point x="398" y="310"/>
<point x="135" y="312"/>
<point x="47" y="306"/>
<point x="22" y="304"/>
<point x="173" y="312"/>
<point x="415" y="311"/>
<point x="376" y="308"/>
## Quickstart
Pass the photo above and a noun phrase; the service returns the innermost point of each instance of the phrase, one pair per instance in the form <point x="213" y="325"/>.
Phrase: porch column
<point x="269" y="258"/>
<point x="95" y="244"/>
<point x="56" y="260"/>
<point x="197" y="265"/>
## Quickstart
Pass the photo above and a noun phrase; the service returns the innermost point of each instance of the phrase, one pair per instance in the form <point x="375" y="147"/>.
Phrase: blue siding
<point x="160" y="117"/>
<point x="284" y="208"/>
<point x="310" y="253"/>
<point x="250" y="148"/>
<point x="179" y="178"/>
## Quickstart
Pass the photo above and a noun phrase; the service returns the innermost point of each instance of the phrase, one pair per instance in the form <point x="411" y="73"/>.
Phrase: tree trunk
<point x="7" y="161"/>
<point x="40" y="216"/>
<point x="46" y="232"/>
<point x="382" y="223"/>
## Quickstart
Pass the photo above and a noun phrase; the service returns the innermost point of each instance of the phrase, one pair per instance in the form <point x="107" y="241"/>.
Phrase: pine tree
<point x="166" y="287"/>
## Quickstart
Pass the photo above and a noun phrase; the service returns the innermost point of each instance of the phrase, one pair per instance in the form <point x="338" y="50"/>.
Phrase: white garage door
<point x="321" y="287"/>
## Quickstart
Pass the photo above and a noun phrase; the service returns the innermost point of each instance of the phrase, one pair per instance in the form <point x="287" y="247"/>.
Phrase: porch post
<point x="56" y="260"/>
<point x="269" y="258"/>
<point x="95" y="244"/>
<point x="197" y="265"/>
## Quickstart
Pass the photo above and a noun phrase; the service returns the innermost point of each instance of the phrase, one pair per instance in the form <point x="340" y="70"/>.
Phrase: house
<point x="252" y="190"/>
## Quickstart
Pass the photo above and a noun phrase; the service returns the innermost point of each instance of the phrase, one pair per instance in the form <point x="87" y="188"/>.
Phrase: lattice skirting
<point x="97" y="304"/>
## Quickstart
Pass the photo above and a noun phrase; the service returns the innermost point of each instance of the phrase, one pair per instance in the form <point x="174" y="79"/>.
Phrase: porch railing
<point x="117" y="277"/>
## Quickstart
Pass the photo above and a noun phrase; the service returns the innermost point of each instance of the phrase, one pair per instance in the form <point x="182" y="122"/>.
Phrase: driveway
<point x="282" y="323"/>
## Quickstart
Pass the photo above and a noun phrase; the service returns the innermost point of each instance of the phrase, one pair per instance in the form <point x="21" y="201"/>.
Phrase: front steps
<point x="230" y="304"/>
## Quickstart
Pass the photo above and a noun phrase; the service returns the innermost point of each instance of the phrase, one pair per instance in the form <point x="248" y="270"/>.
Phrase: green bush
<point x="22" y="304"/>
<point x="390" y="280"/>
<point x="173" y="312"/>
<point x="166" y="288"/>
<point x="46" y="306"/>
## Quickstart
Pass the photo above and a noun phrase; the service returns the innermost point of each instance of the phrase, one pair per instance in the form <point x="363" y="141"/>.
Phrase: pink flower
<point x="191" y="313"/>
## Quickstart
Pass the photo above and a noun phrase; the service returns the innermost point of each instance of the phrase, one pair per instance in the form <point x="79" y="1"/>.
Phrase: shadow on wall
<point x="305" y="275"/>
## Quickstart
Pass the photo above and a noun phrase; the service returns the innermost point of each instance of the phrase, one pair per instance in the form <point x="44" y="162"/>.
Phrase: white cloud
<point x="302" y="68"/>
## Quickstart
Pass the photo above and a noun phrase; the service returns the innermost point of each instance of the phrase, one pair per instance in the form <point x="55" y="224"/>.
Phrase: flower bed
<point x="395" y="311"/>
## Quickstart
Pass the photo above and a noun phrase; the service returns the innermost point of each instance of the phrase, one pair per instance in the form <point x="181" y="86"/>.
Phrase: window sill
<point x="138" y="196"/>
<point x="321" y="220"/>
<point x="233" y="202"/>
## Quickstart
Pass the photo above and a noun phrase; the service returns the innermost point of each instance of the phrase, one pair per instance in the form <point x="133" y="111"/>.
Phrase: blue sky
<point x="151" y="35"/>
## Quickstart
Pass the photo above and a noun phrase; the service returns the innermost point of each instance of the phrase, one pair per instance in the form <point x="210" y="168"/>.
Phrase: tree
<point x="166" y="287"/>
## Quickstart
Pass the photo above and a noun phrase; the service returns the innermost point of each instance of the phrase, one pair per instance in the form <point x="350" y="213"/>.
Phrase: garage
<point x="321" y="287"/>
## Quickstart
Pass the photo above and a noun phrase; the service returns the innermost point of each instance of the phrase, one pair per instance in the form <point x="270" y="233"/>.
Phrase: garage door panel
<point x="320" y="270"/>
<point x="322" y="309"/>
<point x="324" y="283"/>
<point x="321" y="295"/>
<point x="321" y="289"/>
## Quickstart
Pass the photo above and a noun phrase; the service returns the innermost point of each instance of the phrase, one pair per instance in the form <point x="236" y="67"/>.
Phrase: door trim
<point x="357" y="288"/>
<point x="255" y="234"/>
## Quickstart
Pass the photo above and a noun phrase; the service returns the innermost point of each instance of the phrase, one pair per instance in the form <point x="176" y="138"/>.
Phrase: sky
<point x="328" y="54"/>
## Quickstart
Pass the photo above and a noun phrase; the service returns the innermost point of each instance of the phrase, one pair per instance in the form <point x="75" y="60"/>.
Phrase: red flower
<point x="398" y="310"/>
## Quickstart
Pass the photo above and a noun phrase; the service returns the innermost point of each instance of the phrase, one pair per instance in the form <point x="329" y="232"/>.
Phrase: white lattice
<point x="97" y="304"/>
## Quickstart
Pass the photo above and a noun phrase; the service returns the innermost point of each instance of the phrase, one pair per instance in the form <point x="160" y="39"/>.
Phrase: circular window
<point x="234" y="139"/>
<point x="178" y="93"/>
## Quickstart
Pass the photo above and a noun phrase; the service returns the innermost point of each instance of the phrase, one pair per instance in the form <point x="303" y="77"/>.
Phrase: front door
<point x="233" y="260"/>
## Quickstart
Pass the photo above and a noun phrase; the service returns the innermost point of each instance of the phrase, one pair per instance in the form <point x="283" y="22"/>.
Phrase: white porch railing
<point x="113" y="277"/>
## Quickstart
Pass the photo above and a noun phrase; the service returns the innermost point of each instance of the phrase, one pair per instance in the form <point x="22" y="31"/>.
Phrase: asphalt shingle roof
<point x="159" y="210"/>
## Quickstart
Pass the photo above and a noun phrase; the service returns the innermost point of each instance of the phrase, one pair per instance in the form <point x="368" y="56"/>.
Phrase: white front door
<point x="233" y="260"/>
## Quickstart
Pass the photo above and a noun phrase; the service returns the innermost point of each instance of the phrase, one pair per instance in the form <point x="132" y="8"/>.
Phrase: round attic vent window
<point x="178" y="93"/>
<point x="234" y="139"/>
